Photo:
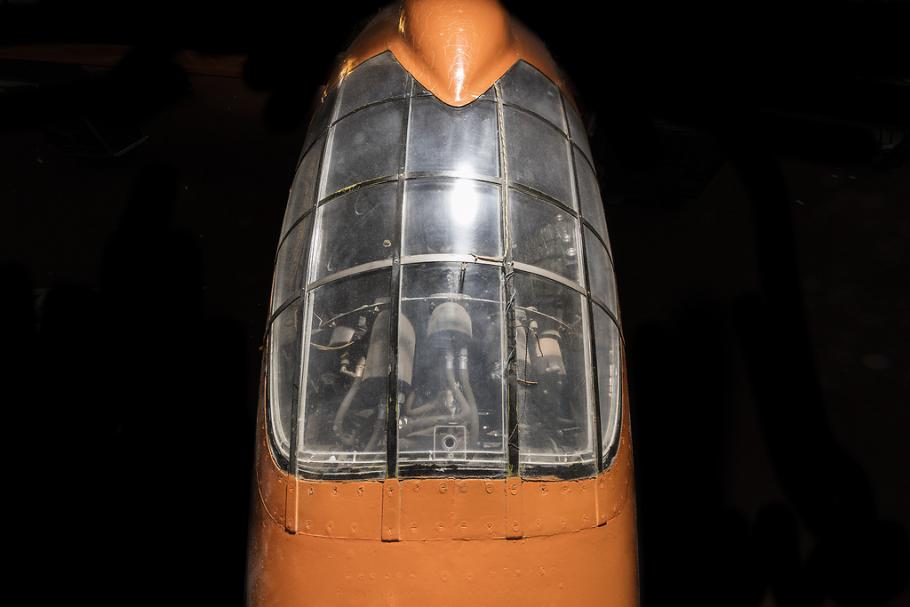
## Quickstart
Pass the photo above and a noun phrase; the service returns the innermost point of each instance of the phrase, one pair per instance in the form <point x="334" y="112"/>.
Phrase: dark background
<point x="754" y="163"/>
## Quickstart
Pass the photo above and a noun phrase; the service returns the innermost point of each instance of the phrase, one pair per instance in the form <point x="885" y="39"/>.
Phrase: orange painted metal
<point x="445" y="508"/>
<point x="540" y="542"/>
<point x="591" y="567"/>
<point x="456" y="49"/>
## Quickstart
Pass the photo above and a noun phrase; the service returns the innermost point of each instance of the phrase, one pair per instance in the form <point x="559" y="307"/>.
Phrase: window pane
<point x="284" y="374"/>
<point x="344" y="421"/>
<point x="451" y="409"/>
<point x="445" y="138"/>
<point x="365" y="145"/>
<point x="421" y="91"/>
<point x="577" y="130"/>
<point x="452" y="216"/>
<point x="356" y="228"/>
<point x="538" y="155"/>
<point x="526" y="87"/>
<point x="543" y="235"/>
<point x="554" y="419"/>
<point x="290" y="268"/>
<point x="322" y="116"/>
<point x="600" y="272"/>
<point x="589" y="193"/>
<point x="303" y="192"/>
<point x="374" y="80"/>
<point x="609" y="375"/>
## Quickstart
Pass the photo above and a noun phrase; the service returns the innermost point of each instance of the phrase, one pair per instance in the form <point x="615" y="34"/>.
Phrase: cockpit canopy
<point x="444" y="300"/>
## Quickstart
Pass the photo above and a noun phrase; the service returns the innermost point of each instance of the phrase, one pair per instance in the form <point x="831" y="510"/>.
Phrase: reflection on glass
<point x="445" y="138"/>
<point x="589" y="193"/>
<point x="284" y="373"/>
<point x="600" y="272"/>
<point x="452" y="216"/>
<point x="577" y="129"/>
<point x="526" y="87"/>
<point x="303" y="192"/>
<point x="422" y="91"/>
<point x="609" y="375"/>
<point x="364" y="146"/>
<point x="538" y="155"/>
<point x="344" y="421"/>
<point x="554" y="419"/>
<point x="543" y="235"/>
<point x="290" y="268"/>
<point x="451" y="413"/>
<point x="322" y="115"/>
<point x="355" y="228"/>
<point x="373" y="80"/>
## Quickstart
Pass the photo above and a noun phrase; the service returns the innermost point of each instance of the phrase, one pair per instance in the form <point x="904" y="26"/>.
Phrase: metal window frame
<point x="603" y="453"/>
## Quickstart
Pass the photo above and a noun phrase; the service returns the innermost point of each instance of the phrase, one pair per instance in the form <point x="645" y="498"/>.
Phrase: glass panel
<point x="284" y="374"/>
<point x="365" y="145"/>
<point x="538" y="155"/>
<point x="609" y="374"/>
<point x="526" y="87"/>
<point x="374" y="80"/>
<point x="577" y="130"/>
<point x="290" y="268"/>
<point x="356" y="228"/>
<point x="589" y="194"/>
<point x="600" y="272"/>
<point x="544" y="235"/>
<point x="322" y="116"/>
<point x="303" y="191"/>
<point x="451" y="410"/>
<point x="344" y="420"/>
<point x="554" y="420"/>
<point x="452" y="216"/>
<point x="460" y="139"/>
<point x="422" y="91"/>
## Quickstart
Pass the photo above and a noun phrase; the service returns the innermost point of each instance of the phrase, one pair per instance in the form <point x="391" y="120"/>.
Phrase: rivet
<point x="463" y="487"/>
<point x="488" y="487"/>
<point x="443" y="488"/>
